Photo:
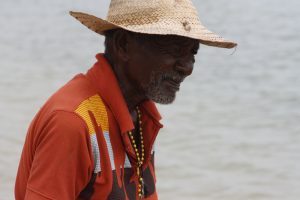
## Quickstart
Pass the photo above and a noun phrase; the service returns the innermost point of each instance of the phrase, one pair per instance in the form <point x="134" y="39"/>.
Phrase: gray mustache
<point x="174" y="77"/>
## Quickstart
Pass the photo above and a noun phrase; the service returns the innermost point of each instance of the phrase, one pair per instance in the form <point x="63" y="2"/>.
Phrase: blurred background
<point x="233" y="132"/>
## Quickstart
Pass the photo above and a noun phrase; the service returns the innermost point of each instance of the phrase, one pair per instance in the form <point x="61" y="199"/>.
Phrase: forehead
<point x="167" y="40"/>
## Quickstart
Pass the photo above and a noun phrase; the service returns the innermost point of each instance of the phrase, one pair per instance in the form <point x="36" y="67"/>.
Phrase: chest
<point x="113" y="156"/>
<point x="115" y="164"/>
<point x="117" y="179"/>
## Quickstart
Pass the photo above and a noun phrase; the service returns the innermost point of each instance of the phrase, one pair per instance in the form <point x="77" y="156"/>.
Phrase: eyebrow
<point x="177" y="43"/>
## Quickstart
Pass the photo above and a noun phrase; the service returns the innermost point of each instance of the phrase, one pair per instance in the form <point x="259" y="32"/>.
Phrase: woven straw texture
<point x="162" y="17"/>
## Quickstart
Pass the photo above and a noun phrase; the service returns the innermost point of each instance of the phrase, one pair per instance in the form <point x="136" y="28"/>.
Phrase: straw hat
<point x="162" y="17"/>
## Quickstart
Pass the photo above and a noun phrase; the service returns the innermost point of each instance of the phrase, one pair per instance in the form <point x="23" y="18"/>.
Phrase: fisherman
<point x="94" y="138"/>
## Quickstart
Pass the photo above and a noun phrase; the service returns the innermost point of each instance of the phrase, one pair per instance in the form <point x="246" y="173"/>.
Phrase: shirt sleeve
<point x="62" y="164"/>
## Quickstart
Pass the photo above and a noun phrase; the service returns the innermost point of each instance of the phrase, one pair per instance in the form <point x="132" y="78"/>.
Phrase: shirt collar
<point x="103" y="77"/>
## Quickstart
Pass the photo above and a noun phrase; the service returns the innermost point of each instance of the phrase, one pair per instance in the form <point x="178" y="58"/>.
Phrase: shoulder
<point x="64" y="127"/>
<point x="58" y="118"/>
<point x="73" y="93"/>
<point x="66" y="101"/>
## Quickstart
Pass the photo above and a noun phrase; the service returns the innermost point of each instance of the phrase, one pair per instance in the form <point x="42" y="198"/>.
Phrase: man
<point x="93" y="139"/>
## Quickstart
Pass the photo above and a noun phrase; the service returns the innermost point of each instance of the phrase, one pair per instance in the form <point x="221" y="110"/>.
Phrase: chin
<point x="160" y="94"/>
<point x="164" y="99"/>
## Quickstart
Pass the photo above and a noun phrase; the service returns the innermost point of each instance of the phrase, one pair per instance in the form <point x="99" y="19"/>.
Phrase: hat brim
<point x="100" y="26"/>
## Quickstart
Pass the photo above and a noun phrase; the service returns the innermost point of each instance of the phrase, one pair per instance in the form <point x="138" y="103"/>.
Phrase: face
<point x="159" y="64"/>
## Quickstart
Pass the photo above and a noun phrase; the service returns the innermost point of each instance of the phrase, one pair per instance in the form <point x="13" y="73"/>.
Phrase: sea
<point x="233" y="132"/>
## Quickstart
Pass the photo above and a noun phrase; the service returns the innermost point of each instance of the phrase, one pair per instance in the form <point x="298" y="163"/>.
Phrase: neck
<point x="130" y="93"/>
<point x="131" y="97"/>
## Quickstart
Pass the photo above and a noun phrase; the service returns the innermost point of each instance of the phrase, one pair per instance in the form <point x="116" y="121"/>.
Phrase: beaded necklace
<point x="140" y="155"/>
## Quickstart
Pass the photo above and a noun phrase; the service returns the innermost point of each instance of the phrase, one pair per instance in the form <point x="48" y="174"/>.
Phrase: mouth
<point x="173" y="83"/>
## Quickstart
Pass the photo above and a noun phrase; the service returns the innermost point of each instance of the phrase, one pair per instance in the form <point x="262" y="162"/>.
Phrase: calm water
<point x="232" y="134"/>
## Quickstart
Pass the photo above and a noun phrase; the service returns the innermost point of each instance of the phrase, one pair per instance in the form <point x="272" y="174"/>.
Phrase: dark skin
<point x="134" y="57"/>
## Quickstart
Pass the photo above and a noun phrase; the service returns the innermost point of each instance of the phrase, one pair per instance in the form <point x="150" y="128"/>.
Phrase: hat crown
<point x="150" y="11"/>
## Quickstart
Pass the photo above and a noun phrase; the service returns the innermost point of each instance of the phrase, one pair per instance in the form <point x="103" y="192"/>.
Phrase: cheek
<point x="165" y="64"/>
<point x="157" y="64"/>
<point x="167" y="61"/>
<point x="143" y="74"/>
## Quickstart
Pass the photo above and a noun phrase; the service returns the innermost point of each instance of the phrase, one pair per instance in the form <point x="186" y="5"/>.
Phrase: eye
<point x="173" y="51"/>
<point x="195" y="49"/>
<point x="194" y="52"/>
<point x="177" y="50"/>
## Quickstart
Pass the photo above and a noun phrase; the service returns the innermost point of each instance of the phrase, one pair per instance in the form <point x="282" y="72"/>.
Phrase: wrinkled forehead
<point x="167" y="40"/>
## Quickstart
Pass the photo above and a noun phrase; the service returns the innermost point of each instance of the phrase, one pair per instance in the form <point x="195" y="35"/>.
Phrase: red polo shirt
<point x="57" y="160"/>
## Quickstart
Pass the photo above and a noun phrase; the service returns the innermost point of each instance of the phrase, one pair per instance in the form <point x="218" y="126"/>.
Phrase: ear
<point x="120" y="44"/>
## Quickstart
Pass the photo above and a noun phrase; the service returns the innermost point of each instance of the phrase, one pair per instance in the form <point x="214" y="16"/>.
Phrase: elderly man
<point x="93" y="139"/>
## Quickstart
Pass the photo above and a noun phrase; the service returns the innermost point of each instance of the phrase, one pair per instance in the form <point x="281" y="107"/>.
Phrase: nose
<point x="185" y="68"/>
